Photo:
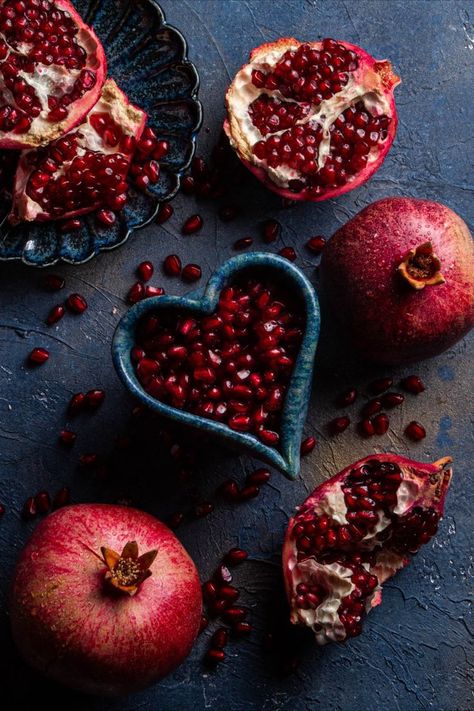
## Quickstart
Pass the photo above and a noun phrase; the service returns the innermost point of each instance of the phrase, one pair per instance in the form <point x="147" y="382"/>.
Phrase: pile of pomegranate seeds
<point x="233" y="366"/>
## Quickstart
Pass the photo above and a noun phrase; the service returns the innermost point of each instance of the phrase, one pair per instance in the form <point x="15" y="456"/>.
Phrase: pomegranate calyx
<point x="421" y="267"/>
<point x="126" y="570"/>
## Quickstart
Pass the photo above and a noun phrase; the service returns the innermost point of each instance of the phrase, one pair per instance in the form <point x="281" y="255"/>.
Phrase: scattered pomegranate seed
<point x="215" y="656"/>
<point x="188" y="185"/>
<point x="53" y="282"/>
<point x="29" y="508"/>
<point x="199" y="167"/>
<point x="88" y="460"/>
<point x="235" y="556"/>
<point x="307" y="446"/>
<point x="376" y="387"/>
<point x="176" y="519"/>
<point x="243" y="243"/>
<point x="415" y="431"/>
<point x="76" y="303"/>
<point x="209" y="590"/>
<point x="223" y="574"/>
<point x="136" y="293"/>
<point x="153" y="291"/>
<point x="371" y="407"/>
<point x="269" y="437"/>
<point x="242" y="629"/>
<point x="70" y="226"/>
<point x="193" y="224"/>
<point x="220" y="638"/>
<point x="258" y="477"/>
<point x="270" y="231"/>
<point x="288" y="253"/>
<point x="43" y="502"/>
<point x="338" y="425"/>
<point x="413" y="384"/>
<point x="316" y="244"/>
<point x="166" y="211"/>
<point x="203" y="509"/>
<point x="191" y="272"/>
<point x="38" y="356"/>
<point x="229" y="490"/>
<point x="62" y="498"/>
<point x="249" y="492"/>
<point x="228" y="213"/>
<point x="234" y="614"/>
<point x="228" y="592"/>
<point x="390" y="400"/>
<point x="366" y="428"/>
<point x="172" y="265"/>
<point x="67" y="437"/>
<point x="95" y="398"/>
<point x="203" y="624"/>
<point x="145" y="271"/>
<point x="106" y="217"/>
<point x="380" y="423"/>
<point x="348" y="397"/>
<point x="55" y="315"/>
<point x="76" y="403"/>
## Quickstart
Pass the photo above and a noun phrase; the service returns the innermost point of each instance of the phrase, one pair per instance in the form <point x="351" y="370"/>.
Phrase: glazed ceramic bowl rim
<point x="287" y="456"/>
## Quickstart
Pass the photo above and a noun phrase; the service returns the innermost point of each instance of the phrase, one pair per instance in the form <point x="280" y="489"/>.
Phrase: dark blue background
<point x="416" y="649"/>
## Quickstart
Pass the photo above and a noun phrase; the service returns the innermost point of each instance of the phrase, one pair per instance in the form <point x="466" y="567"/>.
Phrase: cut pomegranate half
<point x="84" y="170"/>
<point x="52" y="68"/>
<point x="353" y="533"/>
<point x="312" y="120"/>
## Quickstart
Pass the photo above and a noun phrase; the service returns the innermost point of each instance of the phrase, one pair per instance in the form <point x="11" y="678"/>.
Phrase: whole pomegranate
<point x="312" y="120"/>
<point x="353" y="533"/>
<point x="104" y="599"/>
<point x="400" y="277"/>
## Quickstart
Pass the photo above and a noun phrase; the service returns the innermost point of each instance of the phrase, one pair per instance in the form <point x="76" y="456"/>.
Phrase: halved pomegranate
<point x="52" y="68"/>
<point x="353" y="533"/>
<point x="312" y="120"/>
<point x="84" y="170"/>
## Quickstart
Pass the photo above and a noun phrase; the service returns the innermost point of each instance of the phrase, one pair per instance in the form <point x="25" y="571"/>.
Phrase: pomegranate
<point x="52" y="68"/>
<point x="312" y="120"/>
<point x="353" y="533"/>
<point x="104" y="599"/>
<point x="84" y="170"/>
<point x="233" y="365"/>
<point x="400" y="276"/>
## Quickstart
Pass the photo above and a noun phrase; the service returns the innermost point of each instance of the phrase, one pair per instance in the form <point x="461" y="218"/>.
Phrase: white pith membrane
<point x="244" y="134"/>
<point x="50" y="80"/>
<point x="416" y="489"/>
<point x="112" y="102"/>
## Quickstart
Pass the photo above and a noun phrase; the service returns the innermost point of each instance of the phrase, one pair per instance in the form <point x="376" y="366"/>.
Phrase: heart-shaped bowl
<point x="204" y="301"/>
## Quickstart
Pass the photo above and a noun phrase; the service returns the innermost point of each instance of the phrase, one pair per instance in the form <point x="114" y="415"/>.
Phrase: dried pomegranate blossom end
<point x="127" y="571"/>
<point x="421" y="267"/>
<point x="353" y="533"/>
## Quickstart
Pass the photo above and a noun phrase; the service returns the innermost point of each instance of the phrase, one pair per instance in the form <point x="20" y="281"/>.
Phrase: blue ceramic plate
<point x="147" y="58"/>
<point x="287" y="456"/>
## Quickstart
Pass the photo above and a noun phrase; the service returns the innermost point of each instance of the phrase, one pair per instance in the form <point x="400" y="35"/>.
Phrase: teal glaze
<point x="287" y="457"/>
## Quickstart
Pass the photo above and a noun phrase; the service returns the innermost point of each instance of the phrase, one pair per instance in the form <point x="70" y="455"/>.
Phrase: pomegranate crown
<point x="126" y="571"/>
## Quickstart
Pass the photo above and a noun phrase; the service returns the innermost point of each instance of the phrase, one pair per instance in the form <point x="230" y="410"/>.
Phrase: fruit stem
<point x="421" y="267"/>
<point x="126" y="571"/>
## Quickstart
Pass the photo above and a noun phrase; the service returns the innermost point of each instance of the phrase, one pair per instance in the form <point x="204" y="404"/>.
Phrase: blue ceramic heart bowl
<point x="287" y="456"/>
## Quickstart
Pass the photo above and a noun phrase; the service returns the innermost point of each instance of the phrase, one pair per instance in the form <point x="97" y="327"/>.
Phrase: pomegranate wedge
<point x="52" y="68"/>
<point x="353" y="533"/>
<point x="84" y="170"/>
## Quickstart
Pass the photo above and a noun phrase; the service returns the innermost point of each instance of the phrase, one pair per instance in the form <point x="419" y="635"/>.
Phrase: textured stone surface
<point x="416" y="650"/>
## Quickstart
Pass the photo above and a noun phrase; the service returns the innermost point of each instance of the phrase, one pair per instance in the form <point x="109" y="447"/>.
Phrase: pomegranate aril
<point x="215" y="656"/>
<point x="235" y="556"/>
<point x="258" y="477"/>
<point x="234" y="614"/>
<point x="376" y="387"/>
<point x="228" y="593"/>
<point x="172" y="265"/>
<point x="76" y="303"/>
<point x="191" y="272"/>
<point x="316" y="244"/>
<point x="380" y="423"/>
<point x="288" y="253"/>
<point x="165" y="212"/>
<point x="188" y="185"/>
<point x="415" y="431"/>
<point x="203" y="509"/>
<point x="390" y="400"/>
<point x="43" y="502"/>
<point x="348" y="397"/>
<point x="55" y="315"/>
<point x="209" y="590"/>
<point x="136" y="293"/>
<point x="67" y="437"/>
<point x="153" y="291"/>
<point x="413" y="384"/>
<point x="366" y="427"/>
<point x="203" y="624"/>
<point x="243" y="243"/>
<point x="106" y="217"/>
<point x="229" y="490"/>
<point x="338" y="425"/>
<point x="53" y="282"/>
<point x="241" y="629"/>
<point x="94" y="399"/>
<point x="38" y="356"/>
<point x="220" y="638"/>
<point x="371" y="407"/>
<point x="249" y="492"/>
<point x="29" y="510"/>
<point x="145" y="271"/>
<point x="307" y="446"/>
<point x="270" y="231"/>
<point x="76" y="403"/>
<point x="192" y="224"/>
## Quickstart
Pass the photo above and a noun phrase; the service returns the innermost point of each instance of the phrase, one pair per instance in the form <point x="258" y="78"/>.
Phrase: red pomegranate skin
<point x="68" y="625"/>
<point x="387" y="320"/>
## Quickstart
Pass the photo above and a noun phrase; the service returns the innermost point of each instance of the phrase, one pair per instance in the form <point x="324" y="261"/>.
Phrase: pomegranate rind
<point x="423" y="482"/>
<point x="116" y="104"/>
<point x="377" y="75"/>
<point x="43" y="131"/>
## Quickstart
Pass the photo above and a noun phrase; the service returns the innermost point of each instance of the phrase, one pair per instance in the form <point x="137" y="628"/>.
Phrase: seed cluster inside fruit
<point x="369" y="494"/>
<point x="234" y="365"/>
<point x="297" y="133"/>
<point x="33" y="33"/>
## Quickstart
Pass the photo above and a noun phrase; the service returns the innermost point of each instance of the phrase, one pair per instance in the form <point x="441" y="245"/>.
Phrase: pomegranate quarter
<point x="353" y="533"/>
<point x="312" y="120"/>
<point x="104" y="599"/>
